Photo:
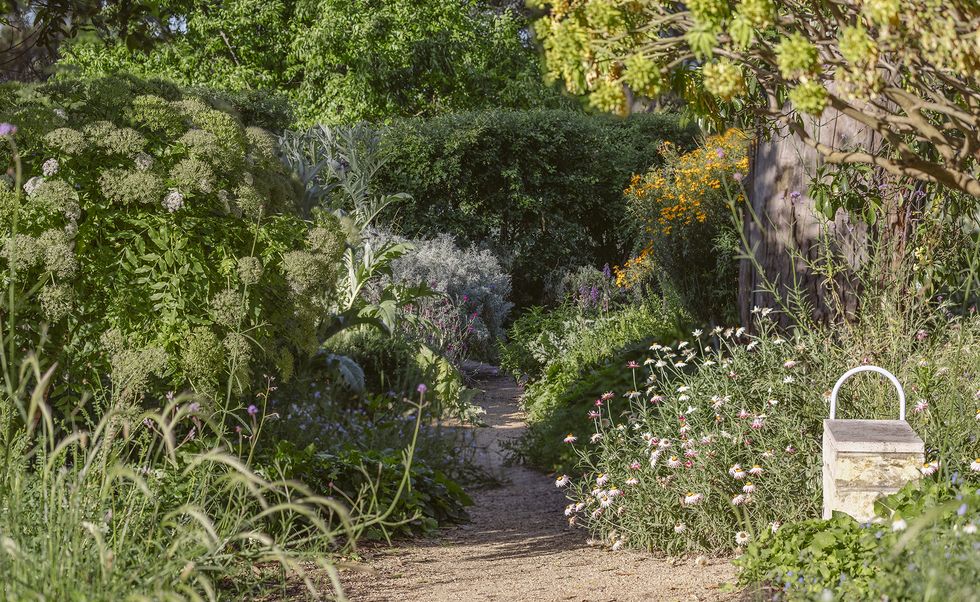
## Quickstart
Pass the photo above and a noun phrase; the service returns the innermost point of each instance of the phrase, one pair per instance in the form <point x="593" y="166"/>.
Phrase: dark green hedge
<point x="543" y="189"/>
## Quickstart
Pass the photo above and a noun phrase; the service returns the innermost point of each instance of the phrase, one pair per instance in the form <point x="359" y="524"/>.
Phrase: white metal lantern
<point x="865" y="459"/>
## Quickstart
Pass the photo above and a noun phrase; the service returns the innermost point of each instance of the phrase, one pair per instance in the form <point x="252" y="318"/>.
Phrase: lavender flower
<point x="252" y="410"/>
<point x="7" y="129"/>
<point x="422" y="388"/>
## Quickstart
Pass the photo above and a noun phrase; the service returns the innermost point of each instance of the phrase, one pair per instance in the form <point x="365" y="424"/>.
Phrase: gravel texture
<point x="518" y="545"/>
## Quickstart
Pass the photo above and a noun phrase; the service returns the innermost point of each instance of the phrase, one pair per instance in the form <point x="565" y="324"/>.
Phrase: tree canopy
<point x="906" y="69"/>
<point x="342" y="60"/>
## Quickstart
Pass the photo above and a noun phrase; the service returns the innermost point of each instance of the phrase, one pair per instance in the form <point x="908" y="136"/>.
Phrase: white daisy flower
<point x="775" y="525"/>
<point x="562" y="480"/>
<point x="969" y="528"/>
<point x="602" y="479"/>
<point x="664" y="443"/>
<point x="680" y="528"/>
<point x="618" y="545"/>
<point x="752" y="345"/>
<point x="748" y="487"/>
<point x="654" y="458"/>
<point x="569" y="509"/>
<point x="674" y="462"/>
<point x="742" y="538"/>
<point x="740" y="331"/>
<point x="930" y="468"/>
<point x="595" y="437"/>
<point x="739" y="499"/>
<point x="579" y="506"/>
<point x="756" y="470"/>
<point x="632" y="481"/>
<point x="692" y="498"/>
<point x="570" y="438"/>
<point x="975" y="465"/>
<point x="697" y="333"/>
<point x="899" y="525"/>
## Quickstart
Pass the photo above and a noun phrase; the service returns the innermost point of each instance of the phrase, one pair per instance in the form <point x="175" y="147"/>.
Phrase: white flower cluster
<point x="174" y="201"/>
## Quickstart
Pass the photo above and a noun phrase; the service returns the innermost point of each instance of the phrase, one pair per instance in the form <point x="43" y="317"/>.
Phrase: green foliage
<point x="922" y="546"/>
<point x="341" y="61"/>
<point x="139" y="204"/>
<point x="578" y="361"/>
<point x="755" y="55"/>
<point x="541" y="188"/>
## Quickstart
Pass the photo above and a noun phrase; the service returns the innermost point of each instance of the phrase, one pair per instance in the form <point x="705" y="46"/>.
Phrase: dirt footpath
<point x="518" y="545"/>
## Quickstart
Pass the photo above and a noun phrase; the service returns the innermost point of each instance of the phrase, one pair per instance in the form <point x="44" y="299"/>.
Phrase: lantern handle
<point x="852" y="372"/>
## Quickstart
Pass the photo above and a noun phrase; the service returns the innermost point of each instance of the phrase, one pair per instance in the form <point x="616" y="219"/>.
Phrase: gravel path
<point x="518" y="545"/>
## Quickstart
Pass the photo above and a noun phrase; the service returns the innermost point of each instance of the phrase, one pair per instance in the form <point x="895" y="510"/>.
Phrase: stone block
<point x="866" y="459"/>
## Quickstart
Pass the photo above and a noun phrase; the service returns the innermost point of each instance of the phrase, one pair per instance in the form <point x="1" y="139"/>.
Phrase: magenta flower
<point x="632" y="365"/>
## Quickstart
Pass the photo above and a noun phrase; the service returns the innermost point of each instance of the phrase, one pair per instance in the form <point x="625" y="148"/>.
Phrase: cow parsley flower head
<point x="67" y="141"/>
<point x="31" y="185"/>
<point x="174" y="200"/>
<point x="50" y="167"/>
<point x="143" y="162"/>
<point x="249" y="270"/>
<point x="227" y="308"/>
<point x="127" y="187"/>
<point x="57" y="301"/>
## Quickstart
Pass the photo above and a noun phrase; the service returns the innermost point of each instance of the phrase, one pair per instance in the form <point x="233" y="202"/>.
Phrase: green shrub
<point x="157" y="236"/>
<point x="702" y="418"/>
<point x="543" y="189"/>
<point x="582" y="359"/>
<point x="921" y="546"/>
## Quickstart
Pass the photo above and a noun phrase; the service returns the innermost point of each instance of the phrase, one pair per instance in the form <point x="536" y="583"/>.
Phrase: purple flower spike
<point x="7" y="129"/>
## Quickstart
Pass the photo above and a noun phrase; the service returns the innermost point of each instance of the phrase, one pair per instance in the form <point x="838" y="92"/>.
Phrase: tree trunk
<point x="786" y="235"/>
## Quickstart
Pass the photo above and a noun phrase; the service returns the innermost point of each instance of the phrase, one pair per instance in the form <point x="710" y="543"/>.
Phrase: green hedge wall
<point x="543" y="189"/>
